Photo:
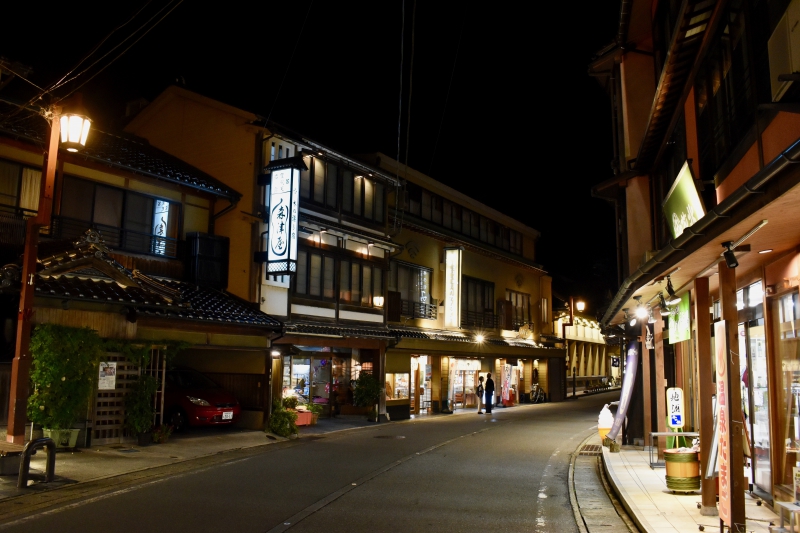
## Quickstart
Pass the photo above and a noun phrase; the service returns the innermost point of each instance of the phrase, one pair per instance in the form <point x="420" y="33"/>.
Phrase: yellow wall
<point x="217" y="140"/>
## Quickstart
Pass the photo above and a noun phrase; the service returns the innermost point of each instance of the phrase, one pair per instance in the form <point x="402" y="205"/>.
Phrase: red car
<point x="193" y="399"/>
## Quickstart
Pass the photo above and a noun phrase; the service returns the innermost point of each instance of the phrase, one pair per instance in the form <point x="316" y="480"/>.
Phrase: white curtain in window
<point x="31" y="183"/>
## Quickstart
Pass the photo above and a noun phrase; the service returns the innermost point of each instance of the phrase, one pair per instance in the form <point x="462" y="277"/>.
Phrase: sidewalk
<point x="656" y="509"/>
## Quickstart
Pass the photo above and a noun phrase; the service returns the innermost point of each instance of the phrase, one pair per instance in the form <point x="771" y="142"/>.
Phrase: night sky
<point x="501" y="105"/>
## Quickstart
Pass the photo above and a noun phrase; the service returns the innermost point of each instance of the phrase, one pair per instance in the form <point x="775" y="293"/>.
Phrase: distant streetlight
<point x="70" y="121"/>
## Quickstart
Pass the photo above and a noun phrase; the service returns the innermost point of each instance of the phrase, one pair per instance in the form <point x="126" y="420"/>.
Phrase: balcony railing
<point x="12" y="225"/>
<point x="479" y="319"/>
<point x="419" y="310"/>
<point x="116" y="238"/>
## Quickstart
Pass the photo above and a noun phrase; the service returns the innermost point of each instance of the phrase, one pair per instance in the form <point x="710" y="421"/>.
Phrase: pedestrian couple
<point x="488" y="391"/>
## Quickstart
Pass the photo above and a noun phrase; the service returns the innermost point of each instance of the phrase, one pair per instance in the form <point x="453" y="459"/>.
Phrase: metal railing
<point x="12" y="225"/>
<point x="479" y="319"/>
<point x="419" y="310"/>
<point x="116" y="238"/>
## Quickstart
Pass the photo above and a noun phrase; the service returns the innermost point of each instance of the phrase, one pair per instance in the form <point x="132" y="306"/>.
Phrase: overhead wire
<point x="410" y="81"/>
<point x="447" y="96"/>
<point x="291" y="58"/>
<point x="400" y="97"/>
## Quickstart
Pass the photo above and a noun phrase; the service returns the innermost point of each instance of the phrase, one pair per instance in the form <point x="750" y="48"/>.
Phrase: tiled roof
<point x="403" y="333"/>
<point x="123" y="152"/>
<point x="85" y="272"/>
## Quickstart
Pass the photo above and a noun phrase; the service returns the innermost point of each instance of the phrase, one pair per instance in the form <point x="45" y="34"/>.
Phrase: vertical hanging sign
<point x="452" y="287"/>
<point x="675" y="407"/>
<point x="283" y="213"/>
<point x="723" y="421"/>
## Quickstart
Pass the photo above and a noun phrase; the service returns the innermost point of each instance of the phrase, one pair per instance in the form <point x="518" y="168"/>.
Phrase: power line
<point x="299" y="35"/>
<point x="400" y="102"/>
<point x="410" y="80"/>
<point x="447" y="96"/>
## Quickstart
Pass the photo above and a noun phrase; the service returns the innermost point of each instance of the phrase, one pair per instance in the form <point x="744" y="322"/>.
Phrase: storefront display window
<point x="785" y="337"/>
<point x="397" y="386"/>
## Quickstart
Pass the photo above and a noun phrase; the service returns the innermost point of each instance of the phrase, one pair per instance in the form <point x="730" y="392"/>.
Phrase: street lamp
<point x="71" y="117"/>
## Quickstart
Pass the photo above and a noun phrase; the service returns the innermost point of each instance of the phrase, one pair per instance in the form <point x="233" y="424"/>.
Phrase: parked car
<point x="193" y="399"/>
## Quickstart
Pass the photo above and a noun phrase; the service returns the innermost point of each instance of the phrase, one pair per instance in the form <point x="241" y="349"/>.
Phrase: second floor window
<point x="520" y="307"/>
<point x="19" y="186"/>
<point x="413" y="282"/>
<point x="127" y="220"/>
<point x="315" y="275"/>
<point x="477" y="303"/>
<point x="358" y="283"/>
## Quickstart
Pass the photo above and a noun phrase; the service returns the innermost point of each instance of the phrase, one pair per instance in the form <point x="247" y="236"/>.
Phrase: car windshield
<point x="189" y="379"/>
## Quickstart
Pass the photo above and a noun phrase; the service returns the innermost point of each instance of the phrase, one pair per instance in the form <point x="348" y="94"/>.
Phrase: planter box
<point x="64" y="438"/>
<point x="683" y="471"/>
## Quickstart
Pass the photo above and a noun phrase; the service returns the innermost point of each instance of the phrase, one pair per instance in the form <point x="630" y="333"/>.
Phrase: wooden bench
<point x="10" y="454"/>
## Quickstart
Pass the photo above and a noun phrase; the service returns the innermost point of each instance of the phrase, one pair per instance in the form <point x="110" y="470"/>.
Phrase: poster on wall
<point x="723" y="422"/>
<point x="506" y="381"/>
<point x="680" y="326"/>
<point x="108" y="376"/>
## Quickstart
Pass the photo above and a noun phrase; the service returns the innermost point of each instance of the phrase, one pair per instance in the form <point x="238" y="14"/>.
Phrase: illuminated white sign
<point x="468" y="364"/>
<point x="675" y="407"/>
<point x="452" y="287"/>
<point x="283" y="210"/>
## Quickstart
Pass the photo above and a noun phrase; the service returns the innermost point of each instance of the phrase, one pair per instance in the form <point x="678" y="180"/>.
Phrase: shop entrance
<point x="420" y="385"/>
<point x="321" y="376"/>
<point x="463" y="381"/>
<point x="755" y="403"/>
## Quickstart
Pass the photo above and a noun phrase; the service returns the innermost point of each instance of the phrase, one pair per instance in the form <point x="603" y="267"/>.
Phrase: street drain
<point x="129" y="450"/>
<point x="591" y="449"/>
<point x="388" y="437"/>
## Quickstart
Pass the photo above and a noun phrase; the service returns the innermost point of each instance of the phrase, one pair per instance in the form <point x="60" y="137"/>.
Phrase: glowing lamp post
<point x="73" y="125"/>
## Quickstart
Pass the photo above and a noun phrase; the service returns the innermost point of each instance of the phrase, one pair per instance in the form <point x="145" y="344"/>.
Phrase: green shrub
<point x="366" y="391"/>
<point x="282" y="421"/>
<point x="139" y="408"/>
<point x="63" y="374"/>
<point x="314" y="408"/>
<point x="290" y="402"/>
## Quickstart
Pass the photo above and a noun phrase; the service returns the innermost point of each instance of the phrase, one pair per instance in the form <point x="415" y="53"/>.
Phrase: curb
<point x="573" y="499"/>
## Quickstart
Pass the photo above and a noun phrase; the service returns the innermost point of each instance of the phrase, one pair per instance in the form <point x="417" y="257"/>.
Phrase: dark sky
<point x="501" y="106"/>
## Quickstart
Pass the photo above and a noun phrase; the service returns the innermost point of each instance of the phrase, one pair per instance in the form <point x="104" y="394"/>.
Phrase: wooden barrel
<point x="683" y="471"/>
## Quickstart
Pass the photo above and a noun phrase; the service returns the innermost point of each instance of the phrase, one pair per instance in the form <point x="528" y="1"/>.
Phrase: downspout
<point x="215" y="216"/>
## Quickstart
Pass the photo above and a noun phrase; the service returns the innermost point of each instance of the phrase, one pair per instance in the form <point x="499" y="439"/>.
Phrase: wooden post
<point x="727" y="297"/>
<point x="661" y="389"/>
<point x="21" y="365"/>
<point x="705" y="382"/>
<point x="646" y="391"/>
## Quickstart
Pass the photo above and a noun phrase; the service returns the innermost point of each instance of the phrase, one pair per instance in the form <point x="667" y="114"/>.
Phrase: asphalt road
<point x="505" y="472"/>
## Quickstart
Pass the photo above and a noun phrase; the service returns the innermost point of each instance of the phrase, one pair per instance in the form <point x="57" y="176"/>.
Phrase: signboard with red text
<point x="723" y="421"/>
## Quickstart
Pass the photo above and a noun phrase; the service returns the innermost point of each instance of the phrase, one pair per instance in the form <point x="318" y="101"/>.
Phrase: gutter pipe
<point x="776" y="167"/>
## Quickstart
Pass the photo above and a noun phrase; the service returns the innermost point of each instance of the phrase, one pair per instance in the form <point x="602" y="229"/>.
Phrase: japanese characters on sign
<point x="452" y="287"/>
<point x="283" y="209"/>
<point x="675" y="407"/>
<point x="723" y="419"/>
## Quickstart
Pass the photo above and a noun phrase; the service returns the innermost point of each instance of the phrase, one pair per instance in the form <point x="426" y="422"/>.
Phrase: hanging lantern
<point x="75" y="124"/>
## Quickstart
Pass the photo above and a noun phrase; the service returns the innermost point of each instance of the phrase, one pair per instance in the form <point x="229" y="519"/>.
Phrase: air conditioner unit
<point x="784" y="50"/>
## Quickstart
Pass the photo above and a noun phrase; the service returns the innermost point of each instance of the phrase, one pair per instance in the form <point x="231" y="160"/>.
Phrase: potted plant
<point x="315" y="409"/>
<point x="366" y="392"/>
<point x="282" y="421"/>
<point x="63" y="374"/>
<point x="162" y="433"/>
<point x="139" y="408"/>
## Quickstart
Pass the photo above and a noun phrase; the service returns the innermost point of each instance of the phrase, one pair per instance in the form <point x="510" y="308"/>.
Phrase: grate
<point x="388" y="437"/>
<point x="591" y="449"/>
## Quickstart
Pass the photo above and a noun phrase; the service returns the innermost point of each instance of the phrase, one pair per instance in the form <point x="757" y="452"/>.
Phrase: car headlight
<point x="198" y="401"/>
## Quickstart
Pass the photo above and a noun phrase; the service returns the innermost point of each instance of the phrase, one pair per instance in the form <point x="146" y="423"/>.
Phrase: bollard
<point x="25" y="461"/>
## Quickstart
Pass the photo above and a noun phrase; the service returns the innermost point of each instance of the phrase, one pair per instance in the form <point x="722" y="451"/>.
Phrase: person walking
<point x="489" y="393"/>
<point x="479" y="394"/>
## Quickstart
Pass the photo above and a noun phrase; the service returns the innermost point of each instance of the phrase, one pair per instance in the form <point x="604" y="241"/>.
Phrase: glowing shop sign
<point x="283" y="209"/>
<point x="452" y="287"/>
<point x="682" y="205"/>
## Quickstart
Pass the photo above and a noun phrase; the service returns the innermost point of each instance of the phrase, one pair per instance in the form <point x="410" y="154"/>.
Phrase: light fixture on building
<point x="479" y="338"/>
<point x="673" y="298"/>
<point x="378" y="301"/>
<point x="730" y="257"/>
<point x="630" y="319"/>
<point x="275" y="353"/>
<point x="75" y="124"/>
<point x="641" y="310"/>
<point x="651" y="319"/>
<point x="768" y="250"/>
<point x="580" y="305"/>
